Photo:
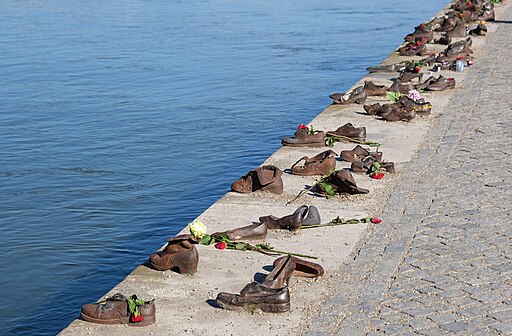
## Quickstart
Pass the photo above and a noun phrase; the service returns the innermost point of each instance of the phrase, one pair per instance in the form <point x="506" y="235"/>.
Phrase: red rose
<point x="422" y="25"/>
<point x="220" y="245"/>
<point x="302" y="126"/>
<point x="377" y="176"/>
<point x="417" y="68"/>
<point x="136" y="319"/>
<point x="418" y="43"/>
<point x="376" y="220"/>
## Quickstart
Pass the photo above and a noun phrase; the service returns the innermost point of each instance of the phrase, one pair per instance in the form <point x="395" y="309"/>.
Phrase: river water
<point x="122" y="120"/>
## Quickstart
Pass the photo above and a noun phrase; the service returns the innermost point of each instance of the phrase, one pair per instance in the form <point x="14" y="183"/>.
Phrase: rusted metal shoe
<point x="180" y="255"/>
<point x="256" y="296"/>
<point x="342" y="182"/>
<point x="350" y="131"/>
<point x="358" y="153"/>
<point x="304" y="215"/>
<point x="266" y="178"/>
<point x="441" y="83"/>
<point x="373" y="89"/>
<point x="358" y="96"/>
<point x="257" y="231"/>
<point x="301" y="267"/>
<point x="399" y="114"/>
<point x="320" y="164"/>
<point x="116" y="310"/>
<point x="303" y="137"/>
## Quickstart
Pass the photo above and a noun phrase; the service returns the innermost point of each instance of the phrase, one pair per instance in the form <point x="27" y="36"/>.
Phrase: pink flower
<point x="414" y="95"/>
<point x="220" y="245"/>
<point x="376" y="220"/>
<point x="377" y="176"/>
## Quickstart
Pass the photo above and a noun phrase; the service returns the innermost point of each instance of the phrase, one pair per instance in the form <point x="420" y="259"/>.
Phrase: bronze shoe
<point x="402" y="87"/>
<point x="115" y="310"/>
<point x="386" y="68"/>
<point x="342" y="182"/>
<point x="358" y="153"/>
<point x="302" y="138"/>
<point x="399" y="114"/>
<point x="350" y="131"/>
<point x="320" y="164"/>
<point x="301" y="267"/>
<point x="441" y="84"/>
<point x="279" y="276"/>
<point x="374" y="89"/>
<point x="362" y="166"/>
<point x="462" y="46"/>
<point x="267" y="178"/>
<point x="358" y="96"/>
<point x="180" y="254"/>
<point x="304" y="215"/>
<point x="480" y="30"/>
<point x="257" y="296"/>
<point x="420" y="107"/>
<point x="409" y="76"/>
<point x="256" y="231"/>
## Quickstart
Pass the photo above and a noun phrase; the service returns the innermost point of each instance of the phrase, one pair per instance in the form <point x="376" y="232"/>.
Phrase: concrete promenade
<point x="439" y="263"/>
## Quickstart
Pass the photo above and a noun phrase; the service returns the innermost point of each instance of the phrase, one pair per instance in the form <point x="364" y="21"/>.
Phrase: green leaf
<point x="375" y="167"/>
<point x="330" y="140"/>
<point x="366" y="220"/>
<point x="206" y="240"/>
<point x="241" y="247"/>
<point x="265" y="246"/>
<point x="393" y="96"/>
<point x="328" y="189"/>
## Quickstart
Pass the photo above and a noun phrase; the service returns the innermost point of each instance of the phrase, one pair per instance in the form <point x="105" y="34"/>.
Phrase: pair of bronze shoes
<point x="303" y="215"/>
<point x="273" y="295"/>
<point x="266" y="178"/>
<point x="390" y="112"/>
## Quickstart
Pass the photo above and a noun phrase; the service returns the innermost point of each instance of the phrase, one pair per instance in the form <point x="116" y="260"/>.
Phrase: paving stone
<point x="504" y="328"/>
<point x="455" y="327"/>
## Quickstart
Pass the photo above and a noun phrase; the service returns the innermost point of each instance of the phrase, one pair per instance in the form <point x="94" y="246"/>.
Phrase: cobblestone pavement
<point x="440" y="263"/>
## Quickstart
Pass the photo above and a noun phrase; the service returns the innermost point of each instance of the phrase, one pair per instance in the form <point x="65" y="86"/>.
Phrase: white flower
<point x="414" y="95"/>
<point x="197" y="229"/>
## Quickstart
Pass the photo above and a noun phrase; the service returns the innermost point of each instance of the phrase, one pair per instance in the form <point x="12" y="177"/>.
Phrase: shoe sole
<point x="313" y="144"/>
<point x="121" y="320"/>
<point x="253" y="307"/>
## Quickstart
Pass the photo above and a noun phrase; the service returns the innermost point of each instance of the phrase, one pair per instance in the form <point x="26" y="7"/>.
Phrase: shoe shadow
<point x="212" y="303"/>
<point x="363" y="113"/>
<point x="259" y="277"/>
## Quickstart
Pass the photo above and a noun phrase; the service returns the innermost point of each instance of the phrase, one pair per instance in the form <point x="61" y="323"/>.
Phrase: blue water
<point x="122" y="120"/>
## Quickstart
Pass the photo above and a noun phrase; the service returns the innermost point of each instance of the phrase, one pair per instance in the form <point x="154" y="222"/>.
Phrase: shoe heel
<point x="188" y="265"/>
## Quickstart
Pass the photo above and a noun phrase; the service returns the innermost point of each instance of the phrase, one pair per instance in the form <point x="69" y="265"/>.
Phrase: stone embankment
<point x="439" y="263"/>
